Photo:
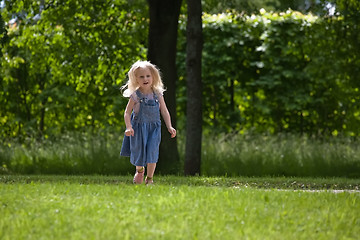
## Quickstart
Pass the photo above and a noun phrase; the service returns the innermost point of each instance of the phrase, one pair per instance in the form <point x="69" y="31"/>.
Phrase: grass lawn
<point x="111" y="207"/>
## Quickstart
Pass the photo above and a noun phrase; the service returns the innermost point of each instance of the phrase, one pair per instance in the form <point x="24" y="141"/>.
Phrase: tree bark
<point x="194" y="89"/>
<point x="164" y="16"/>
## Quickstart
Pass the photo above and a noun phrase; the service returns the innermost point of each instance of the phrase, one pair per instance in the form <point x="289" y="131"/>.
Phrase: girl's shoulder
<point x="135" y="96"/>
<point x="158" y="95"/>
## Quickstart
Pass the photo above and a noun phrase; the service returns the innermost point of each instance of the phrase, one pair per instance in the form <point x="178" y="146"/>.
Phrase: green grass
<point x="110" y="207"/>
<point x="281" y="155"/>
<point x="231" y="155"/>
<point x="67" y="154"/>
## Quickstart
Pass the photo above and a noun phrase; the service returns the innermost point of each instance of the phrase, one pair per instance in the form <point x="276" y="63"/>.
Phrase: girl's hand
<point x="172" y="131"/>
<point x="129" y="132"/>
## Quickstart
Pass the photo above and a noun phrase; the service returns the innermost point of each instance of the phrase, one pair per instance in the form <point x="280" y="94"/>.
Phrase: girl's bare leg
<point x="139" y="175"/>
<point x="151" y="169"/>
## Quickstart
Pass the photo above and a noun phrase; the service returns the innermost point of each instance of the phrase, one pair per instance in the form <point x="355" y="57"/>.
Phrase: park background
<point x="280" y="88"/>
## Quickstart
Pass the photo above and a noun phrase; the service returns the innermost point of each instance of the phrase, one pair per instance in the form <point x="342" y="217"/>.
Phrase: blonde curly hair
<point x="132" y="85"/>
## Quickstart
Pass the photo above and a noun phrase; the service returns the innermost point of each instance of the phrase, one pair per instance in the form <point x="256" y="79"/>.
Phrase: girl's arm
<point x="166" y="116"/>
<point x="127" y="117"/>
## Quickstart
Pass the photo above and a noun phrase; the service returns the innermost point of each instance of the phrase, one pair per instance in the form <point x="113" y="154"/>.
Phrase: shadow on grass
<point x="240" y="182"/>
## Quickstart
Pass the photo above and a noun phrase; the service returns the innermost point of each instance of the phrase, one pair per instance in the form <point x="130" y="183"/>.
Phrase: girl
<point x="142" y="119"/>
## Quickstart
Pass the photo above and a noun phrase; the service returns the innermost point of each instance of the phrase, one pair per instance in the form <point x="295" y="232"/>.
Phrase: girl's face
<point x="144" y="79"/>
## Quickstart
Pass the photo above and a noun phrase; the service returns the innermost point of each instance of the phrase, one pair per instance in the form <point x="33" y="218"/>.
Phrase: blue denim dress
<point x="143" y="147"/>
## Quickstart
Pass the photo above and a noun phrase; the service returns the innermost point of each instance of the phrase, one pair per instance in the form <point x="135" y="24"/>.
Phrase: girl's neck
<point x="146" y="90"/>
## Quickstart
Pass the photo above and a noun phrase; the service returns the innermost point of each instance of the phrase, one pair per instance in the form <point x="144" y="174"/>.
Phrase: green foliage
<point x="57" y="207"/>
<point x="279" y="72"/>
<point x="252" y="6"/>
<point x="65" y="62"/>
<point x="3" y="32"/>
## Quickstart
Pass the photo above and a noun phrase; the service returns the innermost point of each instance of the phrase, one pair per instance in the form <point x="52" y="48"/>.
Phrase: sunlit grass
<point x="98" y="207"/>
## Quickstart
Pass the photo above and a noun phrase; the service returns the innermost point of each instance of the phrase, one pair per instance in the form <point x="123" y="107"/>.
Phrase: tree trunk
<point x="164" y="16"/>
<point x="194" y="89"/>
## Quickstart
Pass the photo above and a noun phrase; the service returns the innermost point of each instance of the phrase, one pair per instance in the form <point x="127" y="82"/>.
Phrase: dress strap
<point x="138" y="94"/>
<point x="155" y="96"/>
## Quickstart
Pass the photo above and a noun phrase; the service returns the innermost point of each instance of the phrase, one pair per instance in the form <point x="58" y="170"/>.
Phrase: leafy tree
<point x="279" y="72"/>
<point x="253" y="6"/>
<point x="283" y="79"/>
<point x="65" y="63"/>
<point x="337" y="68"/>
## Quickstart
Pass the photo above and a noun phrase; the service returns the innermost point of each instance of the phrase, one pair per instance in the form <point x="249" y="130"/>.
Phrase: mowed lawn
<point x="99" y="207"/>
